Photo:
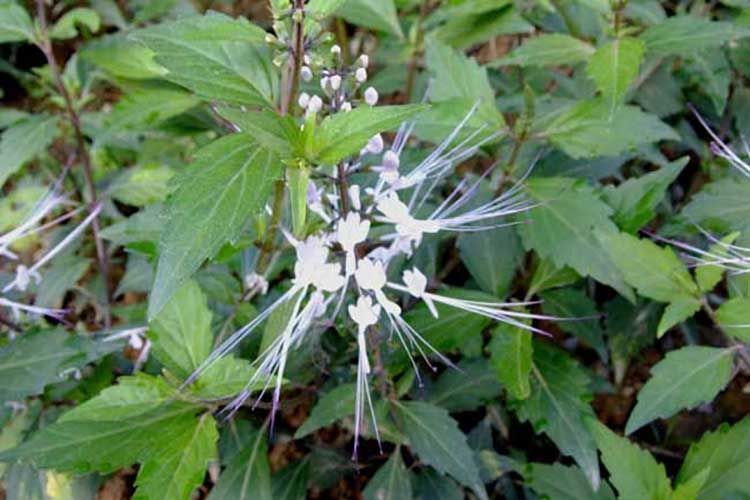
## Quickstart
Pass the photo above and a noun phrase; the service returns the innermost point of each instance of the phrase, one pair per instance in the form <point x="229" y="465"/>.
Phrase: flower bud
<point x="270" y="39"/>
<point x="298" y="15"/>
<point x="336" y="50"/>
<point x="361" y="75"/>
<point x="324" y="84"/>
<point x="303" y="100"/>
<point x="315" y="104"/>
<point x="306" y="73"/>
<point x="371" y="96"/>
<point x="346" y="107"/>
<point x="375" y="145"/>
<point x="390" y="160"/>
<point x="335" y="82"/>
<point x="363" y="60"/>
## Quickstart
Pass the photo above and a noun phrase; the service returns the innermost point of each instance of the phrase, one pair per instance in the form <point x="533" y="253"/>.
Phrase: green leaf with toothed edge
<point x="614" y="66"/>
<point x="391" y="482"/>
<point x="25" y="140"/>
<point x="248" y="474"/>
<point x="549" y="49"/>
<point x="229" y="181"/>
<point x="511" y="353"/>
<point x="685" y="378"/>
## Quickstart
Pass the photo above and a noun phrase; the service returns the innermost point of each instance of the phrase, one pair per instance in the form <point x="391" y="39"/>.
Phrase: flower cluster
<point x="343" y="268"/>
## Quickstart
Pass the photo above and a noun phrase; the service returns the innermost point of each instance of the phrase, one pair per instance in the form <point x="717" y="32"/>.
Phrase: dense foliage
<point x="200" y="214"/>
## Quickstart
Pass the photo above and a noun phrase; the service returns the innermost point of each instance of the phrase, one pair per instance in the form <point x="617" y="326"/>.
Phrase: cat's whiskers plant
<point x="342" y="267"/>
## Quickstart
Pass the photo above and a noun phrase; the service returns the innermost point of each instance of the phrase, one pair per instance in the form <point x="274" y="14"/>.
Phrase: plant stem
<point x="411" y="76"/>
<point x="46" y="47"/>
<point x="343" y="184"/>
<point x="289" y="95"/>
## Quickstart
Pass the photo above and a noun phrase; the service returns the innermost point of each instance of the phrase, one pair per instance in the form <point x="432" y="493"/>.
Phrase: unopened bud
<point x="336" y="50"/>
<point x="315" y="104"/>
<point x="361" y="75"/>
<point x="306" y="73"/>
<point x="335" y="82"/>
<point x="306" y="59"/>
<point x="278" y="61"/>
<point x="375" y="144"/>
<point x="270" y="39"/>
<point x="303" y="100"/>
<point x="346" y="107"/>
<point x="390" y="160"/>
<point x="324" y="83"/>
<point x="298" y="16"/>
<point x="363" y="60"/>
<point x="371" y="96"/>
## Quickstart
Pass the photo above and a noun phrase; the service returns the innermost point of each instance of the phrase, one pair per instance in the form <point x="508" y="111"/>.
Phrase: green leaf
<point x="558" y="406"/>
<point x="734" y="317"/>
<point x="633" y="472"/>
<point x="122" y="57"/>
<point x="547" y="276"/>
<point x="178" y="467"/>
<point x="333" y="406"/>
<point x="390" y="482"/>
<point x="635" y="199"/>
<point x="379" y="15"/>
<point x="563" y="482"/>
<point x="38" y="358"/>
<point x="148" y="104"/>
<point x="726" y="454"/>
<point x="290" y="483"/>
<point x="323" y="8"/>
<point x="471" y="23"/>
<point x="721" y="206"/>
<point x="573" y="303"/>
<point x="712" y="72"/>
<point x="680" y="35"/>
<point x="589" y="129"/>
<point x="464" y="389"/>
<point x="709" y="275"/>
<point x="15" y="24"/>
<point x="561" y="229"/>
<point x="216" y="57"/>
<point x="690" y="488"/>
<point x="613" y="67"/>
<point x="685" y="378"/>
<point x="479" y="252"/>
<point x="656" y="273"/>
<point x="248" y="474"/>
<point x="279" y="134"/>
<point x="462" y="81"/>
<point x="181" y="332"/>
<point x="436" y="438"/>
<point x="228" y="182"/>
<point x="343" y="134"/>
<point x="65" y="27"/>
<point x="429" y="484"/>
<point x="224" y="378"/>
<point x="124" y="424"/>
<point x="511" y="353"/>
<point x="549" y="49"/>
<point x="24" y="140"/>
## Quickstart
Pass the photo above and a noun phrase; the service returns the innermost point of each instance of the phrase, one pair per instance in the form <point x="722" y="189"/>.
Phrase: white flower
<point x="335" y="82"/>
<point x="416" y="284"/>
<point x="346" y="107"/>
<point x="375" y="144"/>
<point x="24" y="276"/>
<point x="306" y="73"/>
<point x="397" y="213"/>
<point x="371" y="96"/>
<point x="364" y="313"/>
<point x="363" y="60"/>
<point x="303" y="100"/>
<point x="315" y="104"/>
<point x="354" y="197"/>
<point x="360" y="75"/>
<point x="325" y="84"/>
<point x="370" y="275"/>
<point x="350" y="232"/>
<point x="311" y="267"/>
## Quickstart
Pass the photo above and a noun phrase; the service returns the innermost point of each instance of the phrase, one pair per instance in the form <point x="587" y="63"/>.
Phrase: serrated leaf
<point x="323" y="8"/>
<point x="564" y="482"/>
<point x="429" y="484"/>
<point x="146" y="105"/>
<point x="479" y="252"/>
<point x="574" y="304"/>
<point x="290" y="483"/>
<point x="38" y="358"/>
<point x="224" y="378"/>
<point x="436" y="438"/>
<point x="561" y="229"/>
<point x="711" y="70"/>
<point x="589" y="129"/>
<point x="23" y="141"/>
<point x="734" y="317"/>
<point x="178" y="467"/>
<point x="344" y="134"/>
<point x="248" y="474"/>
<point x="229" y="181"/>
<point x="721" y="206"/>
<point x="121" y="57"/>
<point x="121" y="426"/>
<point x="635" y="199"/>
<point x="633" y="472"/>
<point x="511" y="353"/>
<point x="181" y="333"/>
<point x="379" y="15"/>
<point x="614" y="66"/>
<point x="216" y="57"/>
<point x="333" y="406"/>
<point x="65" y="27"/>
<point x="471" y="23"/>
<point x="685" y="378"/>
<point x="15" y="24"/>
<point x="390" y="482"/>
<point x="280" y="134"/>
<point x="680" y="35"/>
<point x="558" y="406"/>
<point x="725" y="452"/>
<point x="547" y="276"/>
<point x="709" y="275"/>
<point x="548" y="49"/>
<point x="466" y="388"/>
<point x="656" y="273"/>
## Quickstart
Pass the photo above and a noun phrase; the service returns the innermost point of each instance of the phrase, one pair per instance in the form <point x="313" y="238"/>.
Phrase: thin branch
<point x="83" y="154"/>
